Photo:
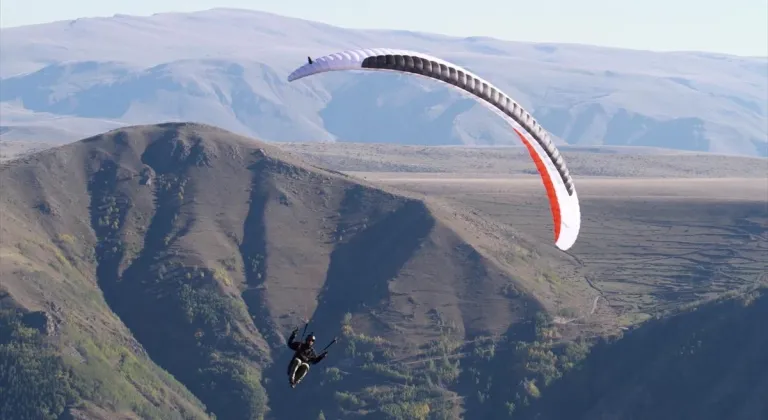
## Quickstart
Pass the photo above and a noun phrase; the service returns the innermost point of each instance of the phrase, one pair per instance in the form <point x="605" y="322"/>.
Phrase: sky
<point x="738" y="27"/>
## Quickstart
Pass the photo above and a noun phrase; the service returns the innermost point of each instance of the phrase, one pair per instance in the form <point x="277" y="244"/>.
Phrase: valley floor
<point x="647" y="245"/>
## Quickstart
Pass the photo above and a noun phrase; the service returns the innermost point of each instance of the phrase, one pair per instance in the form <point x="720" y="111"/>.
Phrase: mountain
<point x="228" y="68"/>
<point x="154" y="271"/>
<point x="186" y="249"/>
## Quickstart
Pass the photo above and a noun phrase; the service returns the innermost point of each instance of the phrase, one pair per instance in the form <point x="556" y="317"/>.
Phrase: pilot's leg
<point x="292" y="369"/>
<point x="302" y="371"/>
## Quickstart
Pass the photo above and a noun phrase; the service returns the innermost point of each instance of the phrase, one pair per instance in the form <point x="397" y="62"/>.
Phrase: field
<point x="603" y="161"/>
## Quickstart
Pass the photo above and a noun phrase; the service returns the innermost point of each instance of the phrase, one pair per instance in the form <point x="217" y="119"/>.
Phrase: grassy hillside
<point x="154" y="272"/>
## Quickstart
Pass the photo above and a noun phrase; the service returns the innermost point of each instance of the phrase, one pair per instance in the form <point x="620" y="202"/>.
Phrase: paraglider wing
<point x="563" y="200"/>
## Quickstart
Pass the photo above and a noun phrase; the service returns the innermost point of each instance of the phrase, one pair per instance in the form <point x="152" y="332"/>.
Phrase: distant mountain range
<point x="66" y="80"/>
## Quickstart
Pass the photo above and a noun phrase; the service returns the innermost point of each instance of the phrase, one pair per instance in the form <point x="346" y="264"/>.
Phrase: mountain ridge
<point x="584" y="95"/>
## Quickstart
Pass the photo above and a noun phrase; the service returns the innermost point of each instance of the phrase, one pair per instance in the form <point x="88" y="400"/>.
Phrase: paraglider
<point x="560" y="189"/>
<point x="304" y="355"/>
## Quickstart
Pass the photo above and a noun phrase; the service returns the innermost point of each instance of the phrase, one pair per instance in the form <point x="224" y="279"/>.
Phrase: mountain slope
<point x="707" y="362"/>
<point x="154" y="271"/>
<point x="228" y="67"/>
<point x="187" y="249"/>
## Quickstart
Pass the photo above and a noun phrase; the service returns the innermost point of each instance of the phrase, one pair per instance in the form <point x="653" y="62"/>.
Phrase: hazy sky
<point x="734" y="26"/>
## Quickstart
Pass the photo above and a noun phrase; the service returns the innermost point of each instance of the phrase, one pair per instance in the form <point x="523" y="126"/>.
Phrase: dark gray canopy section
<point x="479" y="88"/>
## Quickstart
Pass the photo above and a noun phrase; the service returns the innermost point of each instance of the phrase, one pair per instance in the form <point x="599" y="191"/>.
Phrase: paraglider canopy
<point x="559" y="186"/>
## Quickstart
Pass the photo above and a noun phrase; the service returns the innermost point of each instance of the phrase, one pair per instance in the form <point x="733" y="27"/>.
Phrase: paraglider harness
<point x="304" y="355"/>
